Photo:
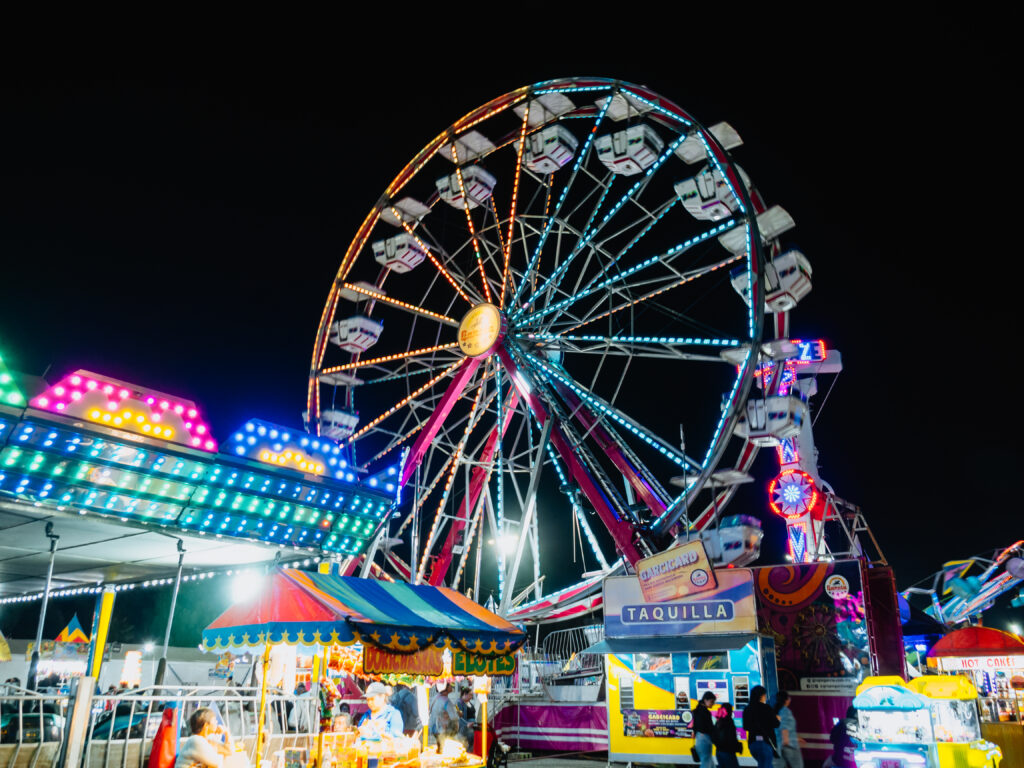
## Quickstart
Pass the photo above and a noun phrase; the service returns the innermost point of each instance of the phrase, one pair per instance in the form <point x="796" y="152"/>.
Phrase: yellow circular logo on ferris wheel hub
<point x="479" y="330"/>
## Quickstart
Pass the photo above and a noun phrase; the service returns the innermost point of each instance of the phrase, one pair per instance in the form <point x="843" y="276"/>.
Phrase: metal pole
<point x="524" y="526"/>
<point x="33" y="667"/>
<point x="161" y="667"/>
<point x="415" y="536"/>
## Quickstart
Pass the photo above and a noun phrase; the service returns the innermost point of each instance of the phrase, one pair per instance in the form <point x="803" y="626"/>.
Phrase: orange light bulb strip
<point x="652" y="294"/>
<point x="137" y="421"/>
<point x="432" y="257"/>
<point x="388" y="358"/>
<point x="400" y="304"/>
<point x="405" y="400"/>
<point x="469" y="219"/>
<point x="297" y="458"/>
<point x="515" y="196"/>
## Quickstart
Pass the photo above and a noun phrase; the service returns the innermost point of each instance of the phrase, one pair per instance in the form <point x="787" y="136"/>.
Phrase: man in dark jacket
<point x="404" y="700"/>
<point x="760" y="722"/>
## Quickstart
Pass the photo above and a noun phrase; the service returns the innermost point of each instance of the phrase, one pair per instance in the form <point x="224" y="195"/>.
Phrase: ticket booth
<point x="661" y="656"/>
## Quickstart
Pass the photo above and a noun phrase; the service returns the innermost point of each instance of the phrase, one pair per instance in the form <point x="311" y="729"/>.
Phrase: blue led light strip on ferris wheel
<point x="594" y="287"/>
<point x="669" y="340"/>
<point x="499" y="504"/>
<point x="653" y="441"/>
<point x="714" y="439"/>
<point x="592" y="232"/>
<point x="561" y="199"/>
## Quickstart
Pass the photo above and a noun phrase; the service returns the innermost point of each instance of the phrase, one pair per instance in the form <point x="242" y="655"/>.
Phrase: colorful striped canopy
<point x="308" y="609"/>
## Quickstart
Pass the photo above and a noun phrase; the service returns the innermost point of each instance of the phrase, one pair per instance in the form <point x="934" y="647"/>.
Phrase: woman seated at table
<point x="208" y="745"/>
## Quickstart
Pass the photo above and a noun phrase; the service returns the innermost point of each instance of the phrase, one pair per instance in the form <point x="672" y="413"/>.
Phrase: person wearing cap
<point x="382" y="719"/>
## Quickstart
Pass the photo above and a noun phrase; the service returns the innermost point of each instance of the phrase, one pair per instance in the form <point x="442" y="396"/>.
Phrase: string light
<point x="668" y="340"/>
<point x="388" y="358"/>
<point x="376" y="296"/>
<point x="469" y="220"/>
<point x="515" y="197"/>
<point x="403" y="401"/>
<point x="431" y="256"/>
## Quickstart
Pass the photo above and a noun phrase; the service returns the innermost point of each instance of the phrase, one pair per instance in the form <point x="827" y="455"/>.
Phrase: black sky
<point x="178" y="225"/>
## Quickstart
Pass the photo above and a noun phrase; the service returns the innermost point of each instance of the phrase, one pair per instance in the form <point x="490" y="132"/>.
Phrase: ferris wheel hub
<point x="481" y="330"/>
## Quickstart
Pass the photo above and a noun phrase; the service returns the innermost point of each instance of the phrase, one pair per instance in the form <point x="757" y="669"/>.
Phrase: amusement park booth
<point x="930" y="722"/>
<point x="404" y="631"/>
<point x="994" y="662"/>
<point x="662" y="656"/>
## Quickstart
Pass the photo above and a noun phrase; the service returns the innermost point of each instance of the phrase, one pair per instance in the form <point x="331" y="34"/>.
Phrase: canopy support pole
<point x="263" y="708"/>
<point x="161" y="667"/>
<point x="33" y="667"/>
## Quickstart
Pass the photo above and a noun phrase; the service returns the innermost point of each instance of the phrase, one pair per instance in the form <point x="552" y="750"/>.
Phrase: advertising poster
<point x="815" y="613"/>
<point x="675" y="573"/>
<point x="658" y="724"/>
<point x="728" y="608"/>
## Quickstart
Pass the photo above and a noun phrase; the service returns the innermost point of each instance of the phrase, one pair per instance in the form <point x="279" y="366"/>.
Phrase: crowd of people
<point x="771" y="734"/>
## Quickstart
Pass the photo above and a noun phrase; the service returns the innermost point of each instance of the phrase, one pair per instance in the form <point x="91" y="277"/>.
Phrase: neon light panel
<point x="273" y="444"/>
<point x="792" y="494"/>
<point x="10" y="394"/>
<point x="118" y="404"/>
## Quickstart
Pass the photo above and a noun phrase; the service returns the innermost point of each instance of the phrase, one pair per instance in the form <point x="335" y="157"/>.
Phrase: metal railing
<point x="121" y="727"/>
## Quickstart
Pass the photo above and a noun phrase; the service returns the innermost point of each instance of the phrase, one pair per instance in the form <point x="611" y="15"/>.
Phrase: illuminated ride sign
<point x="480" y="330"/>
<point x="120" y="405"/>
<point x="792" y="494"/>
<point x="675" y="573"/>
<point x="984" y="663"/>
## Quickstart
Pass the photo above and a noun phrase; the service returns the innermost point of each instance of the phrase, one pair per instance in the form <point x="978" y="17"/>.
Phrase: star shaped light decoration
<point x="792" y="494"/>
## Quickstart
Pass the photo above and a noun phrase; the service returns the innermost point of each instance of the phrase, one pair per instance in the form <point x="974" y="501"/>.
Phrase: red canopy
<point x="977" y="641"/>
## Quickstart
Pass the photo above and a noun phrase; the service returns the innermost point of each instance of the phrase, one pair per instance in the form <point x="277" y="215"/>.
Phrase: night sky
<point x="179" y="227"/>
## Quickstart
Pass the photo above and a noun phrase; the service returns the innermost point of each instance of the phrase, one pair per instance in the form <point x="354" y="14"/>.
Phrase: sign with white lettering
<point x="726" y="609"/>
<point x="676" y="572"/>
<point x="986" y="663"/>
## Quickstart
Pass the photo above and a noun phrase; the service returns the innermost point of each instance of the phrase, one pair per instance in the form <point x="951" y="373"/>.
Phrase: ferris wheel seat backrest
<point x="629" y="151"/>
<point x="550" y="149"/>
<point x="401" y="253"/>
<point x="707" y="196"/>
<point x="692" y="150"/>
<point x="477" y="183"/>
<point x="356" y="334"/>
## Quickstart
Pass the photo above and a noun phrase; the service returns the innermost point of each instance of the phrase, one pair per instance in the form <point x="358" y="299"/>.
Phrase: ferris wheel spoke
<point x="593" y="230"/>
<point x="663" y="260"/>
<point x="580" y="160"/>
<point x="414" y="309"/>
<point x="560" y="376"/>
<point x="388" y="358"/>
<point x="515" y="198"/>
<point x="402" y="403"/>
<point x="449" y="482"/>
<point x="469" y="220"/>
<point x="433" y="259"/>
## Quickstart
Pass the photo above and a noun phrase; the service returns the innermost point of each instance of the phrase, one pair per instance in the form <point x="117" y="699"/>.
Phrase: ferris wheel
<point x="546" y="297"/>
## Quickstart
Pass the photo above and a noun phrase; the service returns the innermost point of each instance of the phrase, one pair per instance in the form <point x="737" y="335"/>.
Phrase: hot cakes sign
<point x="676" y="573"/>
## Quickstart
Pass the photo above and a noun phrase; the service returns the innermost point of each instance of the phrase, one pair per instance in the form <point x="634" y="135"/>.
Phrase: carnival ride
<point x="567" y="320"/>
<point x="958" y="596"/>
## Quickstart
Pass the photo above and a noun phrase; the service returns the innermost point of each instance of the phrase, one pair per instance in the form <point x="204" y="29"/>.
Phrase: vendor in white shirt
<point x="382" y="719"/>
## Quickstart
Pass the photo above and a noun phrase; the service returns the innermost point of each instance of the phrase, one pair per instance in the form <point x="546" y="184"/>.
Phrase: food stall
<point x="931" y="721"/>
<point x="393" y="622"/>
<point x="662" y="655"/>
<point x="993" y="660"/>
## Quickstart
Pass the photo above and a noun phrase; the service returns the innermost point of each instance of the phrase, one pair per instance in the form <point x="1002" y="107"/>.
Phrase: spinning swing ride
<point x="546" y="293"/>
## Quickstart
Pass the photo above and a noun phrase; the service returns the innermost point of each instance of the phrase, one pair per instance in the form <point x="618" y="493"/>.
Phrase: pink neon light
<point x="80" y="395"/>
